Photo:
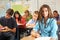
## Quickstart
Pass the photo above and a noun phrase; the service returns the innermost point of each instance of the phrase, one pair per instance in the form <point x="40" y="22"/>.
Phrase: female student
<point x="31" y="23"/>
<point x="28" y="15"/>
<point x="46" y="25"/>
<point x="21" y="22"/>
<point x="56" y="15"/>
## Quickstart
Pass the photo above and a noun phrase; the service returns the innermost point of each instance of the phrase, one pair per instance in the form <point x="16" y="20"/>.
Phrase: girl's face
<point x="26" y="14"/>
<point x="45" y="12"/>
<point x="35" y="16"/>
<point x="55" y="14"/>
<point x="16" y="15"/>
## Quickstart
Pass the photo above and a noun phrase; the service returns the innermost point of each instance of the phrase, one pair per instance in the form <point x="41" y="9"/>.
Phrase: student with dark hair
<point x="19" y="19"/>
<point x="21" y="22"/>
<point x="7" y="26"/>
<point x="56" y="15"/>
<point x="46" y="25"/>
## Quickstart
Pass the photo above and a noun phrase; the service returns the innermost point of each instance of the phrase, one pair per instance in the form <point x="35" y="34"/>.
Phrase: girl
<point x="31" y="23"/>
<point x="28" y="15"/>
<point x="46" y="25"/>
<point x="21" y="22"/>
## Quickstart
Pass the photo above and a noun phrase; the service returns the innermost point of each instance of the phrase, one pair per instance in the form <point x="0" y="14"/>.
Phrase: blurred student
<point x="19" y="19"/>
<point x="46" y="25"/>
<point x="31" y="23"/>
<point x="8" y="26"/>
<point x="21" y="22"/>
<point x="57" y="17"/>
<point x="28" y="15"/>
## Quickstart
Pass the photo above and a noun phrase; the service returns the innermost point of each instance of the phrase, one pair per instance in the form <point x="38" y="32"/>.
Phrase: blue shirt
<point x="50" y="30"/>
<point x="31" y="21"/>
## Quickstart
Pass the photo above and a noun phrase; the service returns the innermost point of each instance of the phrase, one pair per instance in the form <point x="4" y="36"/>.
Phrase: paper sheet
<point x="43" y="38"/>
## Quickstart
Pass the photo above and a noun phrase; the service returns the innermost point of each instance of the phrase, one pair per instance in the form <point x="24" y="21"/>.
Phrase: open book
<point x="43" y="38"/>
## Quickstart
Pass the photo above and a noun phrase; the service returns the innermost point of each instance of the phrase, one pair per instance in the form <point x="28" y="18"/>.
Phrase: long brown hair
<point x="19" y="18"/>
<point x="27" y="11"/>
<point x="40" y="16"/>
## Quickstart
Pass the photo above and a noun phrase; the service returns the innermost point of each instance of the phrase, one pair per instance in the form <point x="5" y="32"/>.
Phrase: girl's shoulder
<point x="51" y="19"/>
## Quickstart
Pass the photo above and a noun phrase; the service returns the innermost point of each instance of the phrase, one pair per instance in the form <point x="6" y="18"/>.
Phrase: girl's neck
<point x="45" y="19"/>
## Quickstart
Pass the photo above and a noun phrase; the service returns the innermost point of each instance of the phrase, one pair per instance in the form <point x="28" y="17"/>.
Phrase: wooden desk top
<point x="28" y="38"/>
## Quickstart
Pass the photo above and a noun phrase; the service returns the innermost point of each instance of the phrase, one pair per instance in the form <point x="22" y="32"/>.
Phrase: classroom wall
<point x="54" y="4"/>
<point x="33" y="5"/>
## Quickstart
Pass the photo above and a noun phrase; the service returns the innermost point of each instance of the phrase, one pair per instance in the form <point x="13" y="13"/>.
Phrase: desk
<point x="32" y="38"/>
<point x="28" y="38"/>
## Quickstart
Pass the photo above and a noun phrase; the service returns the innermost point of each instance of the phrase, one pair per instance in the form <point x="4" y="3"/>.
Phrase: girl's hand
<point x="52" y="38"/>
<point x="37" y="35"/>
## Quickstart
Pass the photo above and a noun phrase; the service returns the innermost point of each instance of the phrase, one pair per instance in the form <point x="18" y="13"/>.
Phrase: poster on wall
<point x="20" y="5"/>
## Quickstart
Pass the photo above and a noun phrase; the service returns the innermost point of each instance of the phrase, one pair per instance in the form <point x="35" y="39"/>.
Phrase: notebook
<point x="43" y="38"/>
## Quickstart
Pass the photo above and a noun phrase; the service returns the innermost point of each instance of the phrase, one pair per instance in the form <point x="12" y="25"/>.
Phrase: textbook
<point x="43" y="38"/>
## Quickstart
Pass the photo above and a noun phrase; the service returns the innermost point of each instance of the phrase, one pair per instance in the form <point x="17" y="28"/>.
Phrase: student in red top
<point x="21" y="22"/>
